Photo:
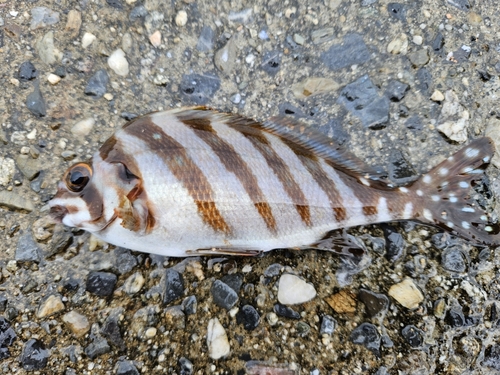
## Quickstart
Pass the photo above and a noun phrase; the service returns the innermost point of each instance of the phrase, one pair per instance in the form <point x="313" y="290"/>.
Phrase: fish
<point x="195" y="181"/>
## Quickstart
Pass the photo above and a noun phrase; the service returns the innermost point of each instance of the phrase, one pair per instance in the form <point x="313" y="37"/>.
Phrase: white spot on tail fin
<point x="382" y="210"/>
<point x="444" y="171"/>
<point x="467" y="170"/>
<point x="408" y="212"/>
<point x="364" y="181"/>
<point x="453" y="199"/>
<point x="463" y="184"/>
<point x="450" y="224"/>
<point x="427" y="214"/>
<point x="403" y="190"/>
<point x="420" y="193"/>
<point x="484" y="218"/>
<point x="465" y="225"/>
<point x="486" y="159"/>
<point x="471" y="152"/>
<point x="488" y="228"/>
<point x="435" y="198"/>
<point x="427" y="179"/>
<point x="468" y="209"/>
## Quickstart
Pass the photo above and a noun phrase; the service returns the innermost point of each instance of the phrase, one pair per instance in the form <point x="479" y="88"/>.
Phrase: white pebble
<point x="247" y="268"/>
<point x="217" y="342"/>
<point x="181" y="18"/>
<point x="437" y="96"/>
<point x="155" y="38"/>
<point x="87" y="39"/>
<point x="108" y="96"/>
<point x="83" y="127"/>
<point x="406" y="293"/>
<point x="417" y="39"/>
<point x="150" y="332"/>
<point x="293" y="290"/>
<point x="53" y="79"/>
<point x="118" y="63"/>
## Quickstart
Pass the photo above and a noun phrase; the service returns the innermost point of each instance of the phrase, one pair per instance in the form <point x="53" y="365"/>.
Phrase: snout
<point x="58" y="213"/>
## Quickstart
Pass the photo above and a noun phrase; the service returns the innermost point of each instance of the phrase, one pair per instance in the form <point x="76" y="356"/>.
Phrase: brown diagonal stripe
<point x="233" y="163"/>
<point x="278" y="165"/>
<point x="183" y="168"/>
<point x="369" y="210"/>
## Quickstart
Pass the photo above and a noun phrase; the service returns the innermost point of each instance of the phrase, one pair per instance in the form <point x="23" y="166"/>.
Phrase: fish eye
<point x="78" y="176"/>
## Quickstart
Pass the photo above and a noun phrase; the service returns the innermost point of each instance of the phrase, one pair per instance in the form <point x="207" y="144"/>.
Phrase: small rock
<point x="97" y="84"/>
<point x="249" y="317"/>
<point x="271" y="62"/>
<point x="397" y="10"/>
<point x="413" y="335"/>
<point x="314" y="86"/>
<point x="419" y="58"/>
<point x="328" y="325"/>
<point x="455" y="118"/>
<point x="285" y="311"/>
<point x="460" y="4"/>
<point x="206" y="39"/>
<point x="28" y="166"/>
<point x="343" y="302"/>
<point x="97" y="347"/>
<point x="236" y="98"/>
<point x="293" y="290"/>
<point x="396" y="90"/>
<point x="111" y="331"/>
<point x="273" y="270"/>
<point x="299" y="39"/>
<point x="14" y="201"/>
<point x="125" y="367"/>
<point x="138" y="13"/>
<point x="51" y="305"/>
<point x="34" y="355"/>
<point x="7" y="170"/>
<point x="492" y="357"/>
<point x="118" y="63"/>
<point x="367" y="335"/>
<point x="27" y="71"/>
<point x="83" y="127"/>
<point x="424" y="81"/>
<point x="101" y="284"/>
<point x="53" y="79"/>
<point x="395" y="244"/>
<point x="225" y="58"/>
<point x="352" y="51"/>
<point x="174" y="286"/>
<point x="74" y="23"/>
<point x="244" y="16"/>
<point x="134" y="283"/>
<point x="185" y="366"/>
<point x="7" y="338"/>
<point x="46" y="49"/>
<point x="88" y="39"/>
<point x="155" y="39"/>
<point x="27" y="249"/>
<point x="406" y="293"/>
<point x="35" y="102"/>
<point x="175" y="318"/>
<point x="217" y="342"/>
<point x="199" y="88"/>
<point x="438" y="43"/>
<point x="322" y="35"/>
<point x="418" y="40"/>
<point x="437" y="96"/>
<point x="234" y="281"/>
<point x="189" y="305"/>
<point x="77" y="323"/>
<point x="374" y="302"/>
<point x="453" y="259"/>
<point x="181" y="18"/>
<point x="398" y="45"/>
<point x="223" y="295"/>
<point x="43" y="17"/>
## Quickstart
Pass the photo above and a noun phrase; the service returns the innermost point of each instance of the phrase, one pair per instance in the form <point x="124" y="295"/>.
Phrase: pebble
<point x="28" y="166"/>
<point x="88" y="39"/>
<point x="101" y="284"/>
<point x="97" y="85"/>
<point x="285" y="311"/>
<point x="181" y="18"/>
<point x="174" y="286"/>
<point x="299" y="39"/>
<point x="322" y="35"/>
<point x="424" y="81"/>
<point x="272" y="318"/>
<point x="413" y="336"/>
<point x="374" y="302"/>
<point x="398" y="45"/>
<point x="223" y="295"/>
<point x="12" y="200"/>
<point x="73" y="23"/>
<point x="249" y="317"/>
<point x="492" y="357"/>
<point x="50" y="306"/>
<point x="7" y="170"/>
<point x="271" y="62"/>
<point x="77" y="323"/>
<point x="236" y="98"/>
<point x="406" y="293"/>
<point x="199" y="88"/>
<point x="97" y="347"/>
<point x="34" y="355"/>
<point x="27" y="249"/>
<point x="397" y="11"/>
<point x="206" y="39"/>
<point x="225" y="57"/>
<point x="418" y="40"/>
<point x="244" y="16"/>
<point x="7" y="338"/>
<point x="138" y="13"/>
<point x="53" y="79"/>
<point x="134" y="283"/>
<point x="361" y="98"/>
<point x="396" y="90"/>
<point x="367" y="335"/>
<point x="46" y="49"/>
<point x="460" y="4"/>
<point x="117" y="4"/>
<point x="83" y="127"/>
<point x="273" y="270"/>
<point x="343" y="302"/>
<point x="27" y="71"/>
<point x="175" y="318"/>
<point x="294" y="290"/>
<point x="43" y="17"/>
<point x="217" y="341"/>
<point x="118" y="63"/>
<point x="419" y="58"/>
<point x="35" y="102"/>
<point x="314" y="86"/>
<point x="124" y="367"/>
<point x="328" y="325"/>
<point x="185" y="366"/>
<point x="437" y="96"/>
<point x="189" y="305"/>
<point x="455" y="118"/>
<point x="454" y="260"/>
<point x="155" y="39"/>
<point x="352" y="51"/>
<point x="395" y="244"/>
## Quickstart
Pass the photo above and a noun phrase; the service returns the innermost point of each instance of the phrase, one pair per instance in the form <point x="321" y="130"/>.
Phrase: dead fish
<point x="195" y="181"/>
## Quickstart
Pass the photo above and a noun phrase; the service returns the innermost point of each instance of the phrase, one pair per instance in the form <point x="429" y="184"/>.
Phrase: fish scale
<point x="189" y="181"/>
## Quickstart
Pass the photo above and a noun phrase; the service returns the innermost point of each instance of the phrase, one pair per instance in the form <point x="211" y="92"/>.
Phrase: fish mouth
<point x="57" y="213"/>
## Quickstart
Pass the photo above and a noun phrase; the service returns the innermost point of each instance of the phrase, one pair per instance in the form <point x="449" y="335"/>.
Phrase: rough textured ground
<point x="400" y="84"/>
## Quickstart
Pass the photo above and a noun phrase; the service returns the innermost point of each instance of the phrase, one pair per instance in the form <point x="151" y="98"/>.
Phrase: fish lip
<point x="57" y="213"/>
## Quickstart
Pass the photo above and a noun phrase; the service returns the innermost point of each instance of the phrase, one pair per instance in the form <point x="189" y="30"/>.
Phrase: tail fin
<point x="446" y="192"/>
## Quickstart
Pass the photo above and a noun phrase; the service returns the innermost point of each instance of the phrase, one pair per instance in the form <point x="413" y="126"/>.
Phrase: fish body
<point x="185" y="181"/>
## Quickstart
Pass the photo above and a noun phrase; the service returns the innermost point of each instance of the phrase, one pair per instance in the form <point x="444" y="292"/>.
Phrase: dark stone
<point x="328" y="325"/>
<point x="60" y="71"/>
<point x="97" y="347"/>
<point x="126" y="368"/>
<point x="484" y="75"/>
<point x="413" y="336"/>
<point x="403" y="110"/>
<point x="189" y="305"/>
<point x="352" y="51"/>
<point x="362" y="100"/>
<point x="7" y="337"/>
<point x="302" y="329"/>
<point x="462" y="54"/>
<point x="137" y="13"/>
<point x="249" y="317"/>
<point x="273" y="270"/>
<point x="438" y="43"/>
<point x="206" y="39"/>
<point x="97" y="84"/>
<point x="234" y="281"/>
<point x="199" y="88"/>
<point x="414" y="123"/>
<point x="367" y="335"/>
<point x="397" y="11"/>
<point x="111" y="331"/>
<point x="424" y="81"/>
<point x="174" y="286"/>
<point x="285" y="311"/>
<point x="27" y="249"/>
<point x="291" y="43"/>
<point x="3" y="304"/>
<point x="185" y="366"/>
<point x="71" y="285"/>
<point x="387" y="342"/>
<point x="36" y="183"/>
<point x="394" y="244"/>
<point x="61" y="240"/>
<point x="2" y="38"/>
<point x="34" y="355"/>
<point x="374" y="302"/>
<point x="101" y="284"/>
<point x="115" y="4"/>
<point x="35" y="102"/>
<point x="223" y="295"/>
<point x="382" y="370"/>
<point x="396" y="90"/>
<point x="453" y="259"/>
<point x="290" y="109"/>
<point x="271" y="62"/>
<point x="455" y="317"/>
<point x="128" y="115"/>
<point x="11" y="313"/>
<point x="460" y="4"/>
<point x="492" y="357"/>
<point x="125" y="261"/>
<point x="27" y="71"/>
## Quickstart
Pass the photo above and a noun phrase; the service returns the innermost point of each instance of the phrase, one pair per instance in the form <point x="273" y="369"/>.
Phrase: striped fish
<point x="194" y="181"/>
